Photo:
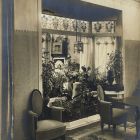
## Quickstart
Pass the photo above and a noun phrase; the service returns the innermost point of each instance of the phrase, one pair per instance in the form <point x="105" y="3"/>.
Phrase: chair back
<point x="37" y="101"/>
<point x="106" y="111"/>
<point x="100" y="92"/>
<point x="75" y="90"/>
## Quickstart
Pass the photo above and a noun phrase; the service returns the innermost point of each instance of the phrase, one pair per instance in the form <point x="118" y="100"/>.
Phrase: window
<point x="103" y="47"/>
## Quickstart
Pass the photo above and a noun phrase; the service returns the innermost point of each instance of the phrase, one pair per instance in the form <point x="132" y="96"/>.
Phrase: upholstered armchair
<point x="43" y="129"/>
<point x="56" y="108"/>
<point x="100" y="93"/>
<point x="112" y="116"/>
<point x="116" y="102"/>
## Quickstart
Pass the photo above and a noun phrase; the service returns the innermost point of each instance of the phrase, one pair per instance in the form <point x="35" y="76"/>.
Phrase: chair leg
<point x="102" y="126"/>
<point x="63" y="137"/>
<point x="125" y="125"/>
<point x="114" y="129"/>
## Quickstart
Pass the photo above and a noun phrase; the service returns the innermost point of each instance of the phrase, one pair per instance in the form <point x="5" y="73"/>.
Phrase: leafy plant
<point x="115" y="64"/>
<point x="52" y="80"/>
<point x="99" y="78"/>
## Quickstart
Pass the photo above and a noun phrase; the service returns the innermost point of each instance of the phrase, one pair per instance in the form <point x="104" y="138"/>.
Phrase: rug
<point x="96" y="134"/>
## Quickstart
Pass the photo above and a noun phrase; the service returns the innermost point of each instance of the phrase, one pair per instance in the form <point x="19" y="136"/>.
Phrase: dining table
<point x="134" y="101"/>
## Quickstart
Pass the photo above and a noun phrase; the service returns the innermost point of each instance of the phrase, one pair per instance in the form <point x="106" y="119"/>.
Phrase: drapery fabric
<point x="87" y="56"/>
<point x="104" y="46"/>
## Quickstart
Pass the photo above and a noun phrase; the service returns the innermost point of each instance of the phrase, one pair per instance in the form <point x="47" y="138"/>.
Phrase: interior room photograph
<point x="70" y="70"/>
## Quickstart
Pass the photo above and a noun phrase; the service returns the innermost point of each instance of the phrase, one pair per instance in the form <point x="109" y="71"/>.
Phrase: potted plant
<point x="47" y="77"/>
<point x="115" y="66"/>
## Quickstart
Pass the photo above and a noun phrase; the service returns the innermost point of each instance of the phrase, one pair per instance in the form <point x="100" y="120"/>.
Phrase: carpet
<point x="96" y="134"/>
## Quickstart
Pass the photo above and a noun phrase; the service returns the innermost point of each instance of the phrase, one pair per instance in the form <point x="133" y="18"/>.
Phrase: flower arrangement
<point x="72" y="71"/>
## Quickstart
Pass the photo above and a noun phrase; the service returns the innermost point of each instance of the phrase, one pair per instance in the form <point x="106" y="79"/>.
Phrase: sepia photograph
<point x="70" y="70"/>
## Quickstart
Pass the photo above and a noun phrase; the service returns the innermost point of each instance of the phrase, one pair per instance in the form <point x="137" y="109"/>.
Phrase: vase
<point x="110" y="77"/>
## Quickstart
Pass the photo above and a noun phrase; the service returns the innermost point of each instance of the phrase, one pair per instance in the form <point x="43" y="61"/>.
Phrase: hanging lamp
<point x="78" y="46"/>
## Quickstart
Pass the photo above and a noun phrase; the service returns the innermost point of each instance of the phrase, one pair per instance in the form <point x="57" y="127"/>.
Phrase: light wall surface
<point x="131" y="39"/>
<point x="26" y="15"/>
<point x="26" y="62"/>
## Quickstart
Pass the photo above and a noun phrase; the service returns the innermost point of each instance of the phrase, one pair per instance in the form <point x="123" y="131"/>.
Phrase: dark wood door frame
<point x="7" y="72"/>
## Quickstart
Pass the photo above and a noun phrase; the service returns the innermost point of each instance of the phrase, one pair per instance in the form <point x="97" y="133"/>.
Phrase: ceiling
<point x="80" y="10"/>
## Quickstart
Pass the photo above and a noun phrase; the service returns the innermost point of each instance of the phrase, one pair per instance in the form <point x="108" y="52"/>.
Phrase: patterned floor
<point x="94" y="133"/>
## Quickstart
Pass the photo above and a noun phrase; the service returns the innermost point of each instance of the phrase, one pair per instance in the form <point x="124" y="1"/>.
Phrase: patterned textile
<point x="94" y="133"/>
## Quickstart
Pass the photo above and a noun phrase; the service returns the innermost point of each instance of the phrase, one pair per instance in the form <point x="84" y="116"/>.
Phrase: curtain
<point x="87" y="56"/>
<point x="103" y="47"/>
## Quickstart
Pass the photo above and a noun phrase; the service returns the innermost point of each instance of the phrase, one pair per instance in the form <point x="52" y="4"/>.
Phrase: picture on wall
<point x="59" y="62"/>
<point x="57" y="48"/>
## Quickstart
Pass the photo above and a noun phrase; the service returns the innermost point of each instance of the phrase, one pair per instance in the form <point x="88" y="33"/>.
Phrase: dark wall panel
<point x="25" y="79"/>
<point x="132" y="65"/>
